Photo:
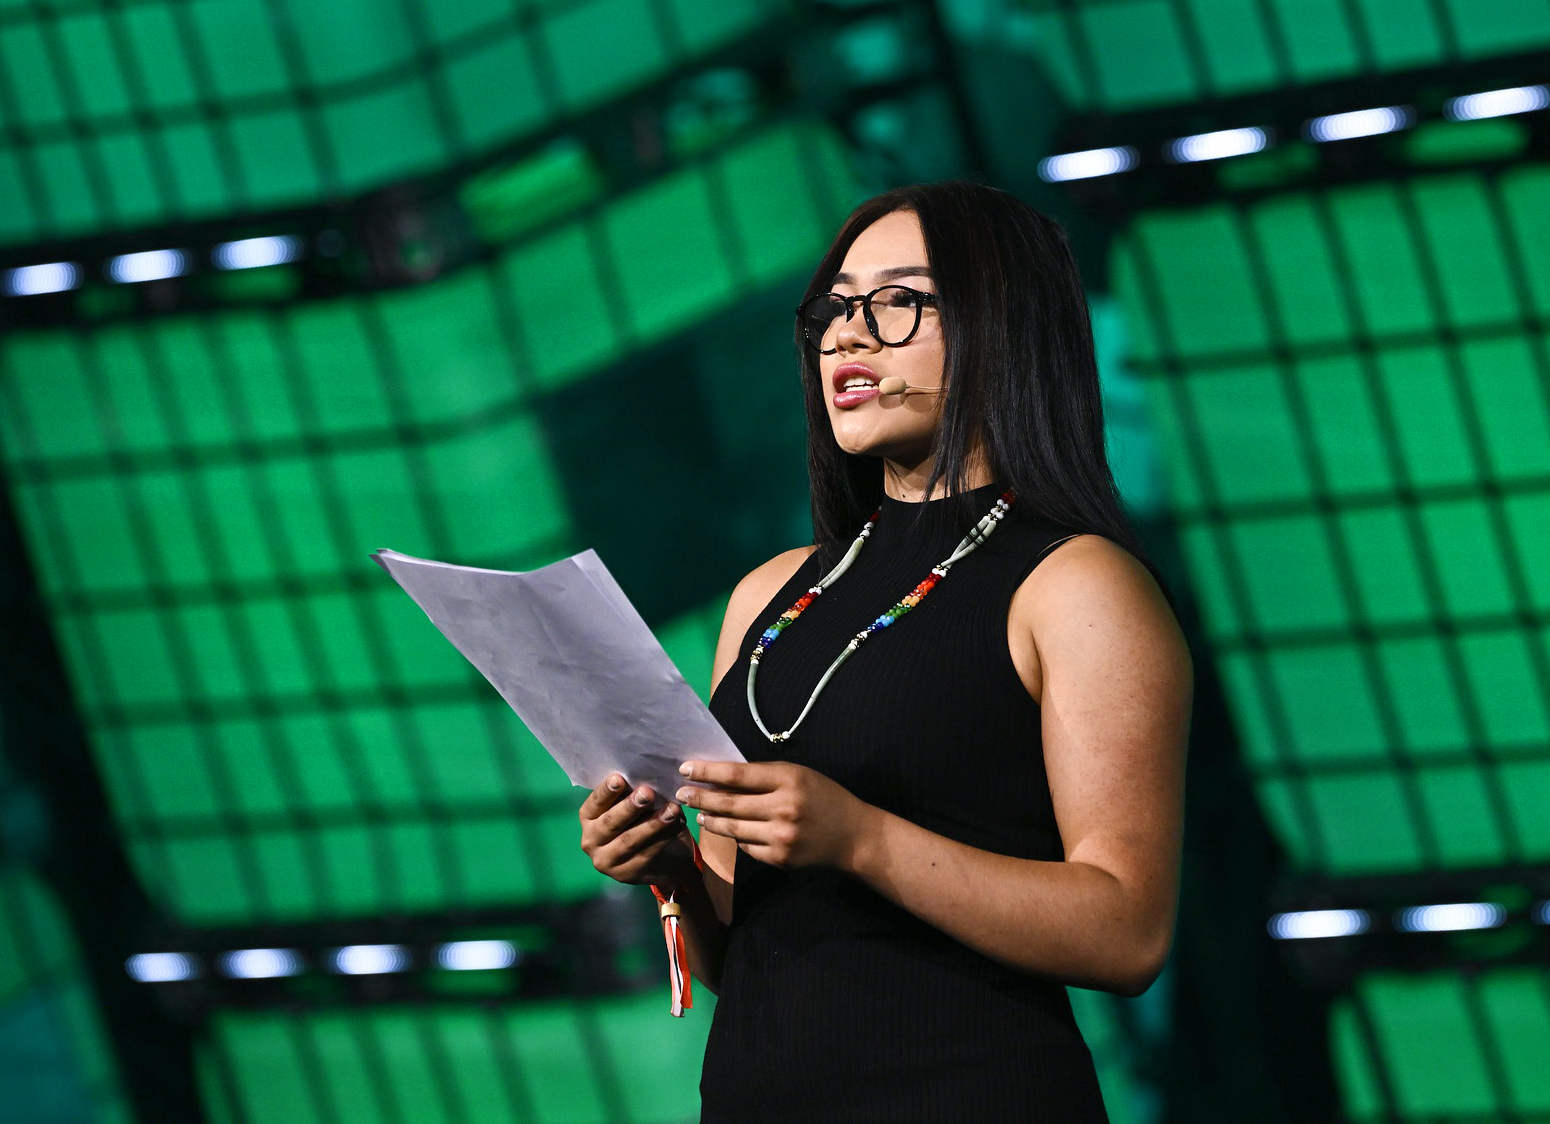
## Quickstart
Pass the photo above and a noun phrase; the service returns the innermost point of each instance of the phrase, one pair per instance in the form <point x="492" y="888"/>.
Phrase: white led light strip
<point x="1223" y="144"/>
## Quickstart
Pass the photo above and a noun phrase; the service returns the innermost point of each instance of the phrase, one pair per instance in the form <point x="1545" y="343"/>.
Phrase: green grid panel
<point x="283" y="734"/>
<point x="555" y="1063"/>
<point x="131" y="115"/>
<point x="1445" y="1046"/>
<point x="1353" y="390"/>
<point x="56" y="1065"/>
<point x="586" y="1062"/>
<point x="1115" y="55"/>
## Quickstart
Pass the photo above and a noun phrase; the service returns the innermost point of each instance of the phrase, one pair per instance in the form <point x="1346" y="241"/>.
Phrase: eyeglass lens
<point x="895" y="311"/>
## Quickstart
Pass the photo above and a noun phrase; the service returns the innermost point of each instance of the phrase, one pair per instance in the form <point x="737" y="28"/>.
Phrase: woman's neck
<point x="908" y="482"/>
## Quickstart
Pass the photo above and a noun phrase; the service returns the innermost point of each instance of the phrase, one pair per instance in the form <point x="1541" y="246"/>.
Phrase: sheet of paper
<point x="564" y="646"/>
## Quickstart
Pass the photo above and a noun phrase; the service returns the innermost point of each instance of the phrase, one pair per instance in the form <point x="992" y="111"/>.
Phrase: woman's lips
<point x="846" y="399"/>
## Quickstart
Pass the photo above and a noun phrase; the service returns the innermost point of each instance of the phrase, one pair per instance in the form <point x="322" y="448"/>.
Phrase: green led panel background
<point x="1446" y="1046"/>
<point x="1350" y="390"/>
<point x="1356" y="394"/>
<point x="1117" y="55"/>
<point x="1353" y="393"/>
<point x="123" y="115"/>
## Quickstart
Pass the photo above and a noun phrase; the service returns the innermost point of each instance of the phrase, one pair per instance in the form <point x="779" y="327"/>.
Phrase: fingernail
<point x="615" y="783"/>
<point x="641" y="797"/>
<point x="684" y="796"/>
<point x="671" y="814"/>
<point x="685" y="770"/>
<point x="700" y="819"/>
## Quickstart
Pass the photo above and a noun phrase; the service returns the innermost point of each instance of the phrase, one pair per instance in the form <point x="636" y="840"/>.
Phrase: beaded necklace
<point x="914" y="597"/>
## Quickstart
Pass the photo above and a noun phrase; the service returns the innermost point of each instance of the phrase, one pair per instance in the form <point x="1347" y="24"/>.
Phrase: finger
<point x="632" y="867"/>
<point x="663" y="825"/>
<point x="604" y="796"/>
<point x="717" y="825"/>
<point x="627" y="811"/>
<point x="737" y="805"/>
<point x="743" y="831"/>
<point x="659" y="829"/>
<point x="744" y="776"/>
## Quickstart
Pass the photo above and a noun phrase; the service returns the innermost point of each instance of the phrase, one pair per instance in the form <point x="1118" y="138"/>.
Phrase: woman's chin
<point x="881" y="445"/>
<point x="875" y="431"/>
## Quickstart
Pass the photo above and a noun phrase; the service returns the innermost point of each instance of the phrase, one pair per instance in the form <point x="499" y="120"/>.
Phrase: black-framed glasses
<point x="892" y="315"/>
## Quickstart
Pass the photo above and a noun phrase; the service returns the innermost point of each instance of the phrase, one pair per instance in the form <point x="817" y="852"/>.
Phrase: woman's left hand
<point x="781" y="814"/>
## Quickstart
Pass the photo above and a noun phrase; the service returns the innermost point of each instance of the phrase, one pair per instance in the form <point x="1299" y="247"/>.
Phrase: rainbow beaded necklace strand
<point x="914" y="597"/>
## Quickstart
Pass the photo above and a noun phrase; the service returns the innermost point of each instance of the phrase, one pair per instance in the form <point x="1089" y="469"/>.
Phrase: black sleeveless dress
<point x="835" y="1004"/>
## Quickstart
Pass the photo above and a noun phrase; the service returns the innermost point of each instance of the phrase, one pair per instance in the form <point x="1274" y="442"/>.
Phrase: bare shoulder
<point x="1092" y="596"/>
<point x="763" y="582"/>
<point x="1090" y="564"/>
<point x="750" y="595"/>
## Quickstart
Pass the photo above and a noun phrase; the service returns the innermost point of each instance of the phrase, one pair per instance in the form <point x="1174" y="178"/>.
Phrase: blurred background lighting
<point x="1498" y="103"/>
<point x="147" y="265"/>
<point x="261" y="963"/>
<point x="1311" y="924"/>
<point x="251" y="253"/>
<point x="161" y="967"/>
<point x="1217" y="145"/>
<point x="49" y="277"/>
<point x="1358" y="123"/>
<point x="1086" y="164"/>
<point x="468" y="956"/>
<point x="370" y="959"/>
<point x="1450" y="918"/>
<point x="1542" y="913"/>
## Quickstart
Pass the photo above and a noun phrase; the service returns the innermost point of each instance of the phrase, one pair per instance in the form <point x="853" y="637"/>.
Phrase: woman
<point x="981" y="802"/>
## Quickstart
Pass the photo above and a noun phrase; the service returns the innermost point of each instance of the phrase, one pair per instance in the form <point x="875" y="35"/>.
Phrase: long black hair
<point x="1020" y="372"/>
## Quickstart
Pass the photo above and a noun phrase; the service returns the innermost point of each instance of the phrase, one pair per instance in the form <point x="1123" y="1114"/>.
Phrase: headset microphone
<point x="893" y="384"/>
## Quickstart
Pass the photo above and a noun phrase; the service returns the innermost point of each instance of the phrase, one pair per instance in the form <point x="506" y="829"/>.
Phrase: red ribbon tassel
<point x="683" y="994"/>
<point x="677" y="956"/>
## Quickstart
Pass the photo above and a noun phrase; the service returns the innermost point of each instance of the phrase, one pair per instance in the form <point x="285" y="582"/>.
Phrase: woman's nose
<point x="853" y="333"/>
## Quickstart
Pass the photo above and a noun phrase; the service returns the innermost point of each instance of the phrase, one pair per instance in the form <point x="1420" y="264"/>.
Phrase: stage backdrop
<point x="528" y="290"/>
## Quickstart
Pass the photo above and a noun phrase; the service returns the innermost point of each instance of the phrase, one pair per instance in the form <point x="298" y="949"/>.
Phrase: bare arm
<point x="1113" y="680"/>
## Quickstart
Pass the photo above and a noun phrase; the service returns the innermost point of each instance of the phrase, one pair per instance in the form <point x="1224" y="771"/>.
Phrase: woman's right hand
<point x="631" y="840"/>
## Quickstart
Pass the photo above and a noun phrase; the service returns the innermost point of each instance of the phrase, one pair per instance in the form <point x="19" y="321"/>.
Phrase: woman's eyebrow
<point x="888" y="274"/>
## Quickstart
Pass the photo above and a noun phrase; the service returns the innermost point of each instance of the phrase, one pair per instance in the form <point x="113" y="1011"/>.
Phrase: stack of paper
<point x="564" y="646"/>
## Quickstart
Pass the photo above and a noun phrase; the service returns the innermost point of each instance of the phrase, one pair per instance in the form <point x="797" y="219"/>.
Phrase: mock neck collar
<point x="932" y="520"/>
<point x="986" y="492"/>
